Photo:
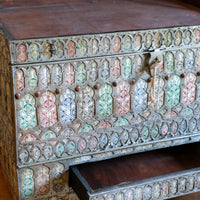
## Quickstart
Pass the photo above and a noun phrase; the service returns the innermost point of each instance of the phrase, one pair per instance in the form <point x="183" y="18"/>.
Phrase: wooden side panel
<point x="7" y="118"/>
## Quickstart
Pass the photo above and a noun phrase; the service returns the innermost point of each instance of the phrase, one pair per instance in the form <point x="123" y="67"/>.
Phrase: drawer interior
<point x="132" y="168"/>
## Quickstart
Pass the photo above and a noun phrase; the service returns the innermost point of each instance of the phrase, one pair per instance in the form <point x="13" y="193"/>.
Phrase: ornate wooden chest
<point x="115" y="82"/>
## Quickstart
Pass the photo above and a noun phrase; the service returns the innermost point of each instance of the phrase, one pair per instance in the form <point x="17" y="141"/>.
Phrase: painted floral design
<point x="44" y="76"/>
<point x="81" y="73"/>
<point x="19" y="79"/>
<point x="106" y="45"/>
<point x="137" y="42"/>
<point x="32" y="78"/>
<point x="173" y="91"/>
<point x="179" y="61"/>
<point x="158" y="40"/>
<point x="47" y="50"/>
<point x="187" y="37"/>
<point x="43" y="180"/>
<point x="69" y="74"/>
<point x="105" y="100"/>
<point x="169" y="62"/>
<point x="104" y="125"/>
<point x="34" y="52"/>
<point x="86" y="103"/>
<point x="116" y="68"/>
<point x="117" y="44"/>
<point x="189" y="59"/>
<point x="123" y="98"/>
<point x="71" y="48"/>
<point x="127" y="44"/>
<point x="198" y="59"/>
<point x="148" y="41"/>
<point x="47" y="111"/>
<point x="59" y="177"/>
<point x="93" y="72"/>
<point x="22" y="55"/>
<point x="178" y="38"/>
<point x="95" y="46"/>
<point x="196" y="37"/>
<point x="105" y="70"/>
<point x="189" y="91"/>
<point x="27" y="183"/>
<point x="27" y="114"/>
<point x="82" y="47"/>
<point x="168" y="39"/>
<point x="56" y="75"/>
<point x="59" y="49"/>
<point x="67" y="108"/>
<point x="126" y="69"/>
<point x="140" y="95"/>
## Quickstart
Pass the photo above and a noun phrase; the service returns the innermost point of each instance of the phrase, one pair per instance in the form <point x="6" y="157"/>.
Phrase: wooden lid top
<point x="95" y="16"/>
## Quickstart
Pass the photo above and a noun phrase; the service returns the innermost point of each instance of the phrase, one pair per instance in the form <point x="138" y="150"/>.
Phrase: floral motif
<point x="189" y="59"/>
<point x="69" y="74"/>
<point x="93" y="72"/>
<point x="137" y="64"/>
<point x="43" y="180"/>
<point x="116" y="68"/>
<point x="127" y="43"/>
<point x="137" y="42"/>
<point x="71" y="49"/>
<point x="19" y="78"/>
<point x="148" y="40"/>
<point x="196" y="37"/>
<point x="34" y="52"/>
<point x="47" y="111"/>
<point x="56" y="75"/>
<point x="104" y="125"/>
<point x="126" y="70"/>
<point x="67" y="109"/>
<point x="82" y="47"/>
<point x="27" y="114"/>
<point x="44" y="76"/>
<point x="105" y="101"/>
<point x="47" y="50"/>
<point x="59" y="49"/>
<point x="187" y="37"/>
<point x="158" y="40"/>
<point x="29" y="138"/>
<point x="168" y="39"/>
<point x="27" y="183"/>
<point x="189" y="91"/>
<point x="173" y="92"/>
<point x="198" y="59"/>
<point x="178" y="38"/>
<point x="95" y="46"/>
<point x="169" y="62"/>
<point x="123" y="98"/>
<point x="105" y="71"/>
<point x="32" y="78"/>
<point x="179" y="61"/>
<point x="86" y="103"/>
<point x="58" y="180"/>
<point x="22" y="55"/>
<point x="117" y="44"/>
<point x="81" y="73"/>
<point x="140" y="95"/>
<point x="122" y="122"/>
<point x="106" y="45"/>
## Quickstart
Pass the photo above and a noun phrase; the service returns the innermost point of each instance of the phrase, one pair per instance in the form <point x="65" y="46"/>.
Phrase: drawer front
<point x="107" y="106"/>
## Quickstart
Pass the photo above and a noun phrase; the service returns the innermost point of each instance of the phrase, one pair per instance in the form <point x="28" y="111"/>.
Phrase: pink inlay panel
<point x="47" y="111"/>
<point x="71" y="49"/>
<point x="104" y="125"/>
<point x="20" y="83"/>
<point x="116" y="69"/>
<point x="189" y="90"/>
<point x="117" y="44"/>
<point x="69" y="77"/>
<point x="22" y="55"/>
<point x="123" y="98"/>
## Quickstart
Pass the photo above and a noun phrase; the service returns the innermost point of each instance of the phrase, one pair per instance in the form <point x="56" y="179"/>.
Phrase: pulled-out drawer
<point x="159" y="174"/>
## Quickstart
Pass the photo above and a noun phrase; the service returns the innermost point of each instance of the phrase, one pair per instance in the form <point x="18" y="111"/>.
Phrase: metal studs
<point x="133" y="81"/>
<point x="167" y="77"/>
<point x="96" y="86"/>
<point x="115" y="83"/>
<point x="150" y="79"/>
<point x="37" y="94"/>
<point x="17" y="96"/>
<point x="198" y="73"/>
<point x="58" y="91"/>
<point x="182" y="75"/>
<point x="77" y="89"/>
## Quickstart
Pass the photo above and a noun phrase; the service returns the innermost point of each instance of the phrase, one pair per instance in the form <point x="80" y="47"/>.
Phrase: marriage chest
<point x="100" y="100"/>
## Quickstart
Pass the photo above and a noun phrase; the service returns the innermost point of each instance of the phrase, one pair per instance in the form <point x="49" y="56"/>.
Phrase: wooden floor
<point x="5" y="194"/>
